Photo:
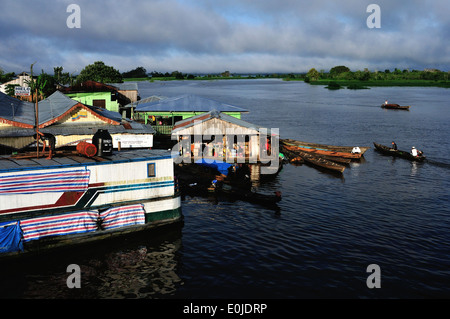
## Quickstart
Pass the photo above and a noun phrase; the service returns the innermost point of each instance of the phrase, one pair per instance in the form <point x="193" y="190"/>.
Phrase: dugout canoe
<point x="395" y="107"/>
<point x="398" y="153"/>
<point x="336" y="148"/>
<point x="317" y="160"/>
<point x="320" y="152"/>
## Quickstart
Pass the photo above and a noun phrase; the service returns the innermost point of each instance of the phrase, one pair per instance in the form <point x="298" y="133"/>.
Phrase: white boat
<point x="72" y="199"/>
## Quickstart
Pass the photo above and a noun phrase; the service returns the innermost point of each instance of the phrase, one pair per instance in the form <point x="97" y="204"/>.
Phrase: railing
<point x="163" y="129"/>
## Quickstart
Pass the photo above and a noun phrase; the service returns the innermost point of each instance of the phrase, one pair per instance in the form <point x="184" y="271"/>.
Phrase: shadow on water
<point x="140" y="266"/>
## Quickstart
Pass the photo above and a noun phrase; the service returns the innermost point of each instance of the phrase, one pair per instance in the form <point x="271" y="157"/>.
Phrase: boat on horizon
<point x="395" y="106"/>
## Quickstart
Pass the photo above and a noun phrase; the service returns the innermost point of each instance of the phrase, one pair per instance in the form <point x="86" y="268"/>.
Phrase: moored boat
<point x="66" y="200"/>
<point x="320" y="152"/>
<point x="395" y="106"/>
<point x="315" y="160"/>
<point x="398" y="153"/>
<point x="337" y="148"/>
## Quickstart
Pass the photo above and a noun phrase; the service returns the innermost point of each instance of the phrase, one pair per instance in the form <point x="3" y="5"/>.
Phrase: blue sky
<point x="211" y="36"/>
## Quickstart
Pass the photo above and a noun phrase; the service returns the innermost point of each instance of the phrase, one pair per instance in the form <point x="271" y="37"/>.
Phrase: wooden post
<point x="37" y="125"/>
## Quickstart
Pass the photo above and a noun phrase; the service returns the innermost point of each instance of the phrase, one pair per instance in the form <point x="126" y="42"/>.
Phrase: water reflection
<point x="141" y="267"/>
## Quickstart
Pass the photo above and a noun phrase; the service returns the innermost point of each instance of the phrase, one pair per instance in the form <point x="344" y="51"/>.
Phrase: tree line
<point x="100" y="72"/>
<point x="342" y="72"/>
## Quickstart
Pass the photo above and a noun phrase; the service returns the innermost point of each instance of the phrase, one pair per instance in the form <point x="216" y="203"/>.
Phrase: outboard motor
<point x="103" y="141"/>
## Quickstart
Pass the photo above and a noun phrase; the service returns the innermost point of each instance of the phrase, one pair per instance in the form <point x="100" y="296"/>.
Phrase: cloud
<point x="213" y="36"/>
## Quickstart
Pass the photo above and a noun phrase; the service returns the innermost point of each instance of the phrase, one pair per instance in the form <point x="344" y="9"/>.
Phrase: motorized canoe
<point x="336" y="148"/>
<point x="395" y="107"/>
<point x="398" y="153"/>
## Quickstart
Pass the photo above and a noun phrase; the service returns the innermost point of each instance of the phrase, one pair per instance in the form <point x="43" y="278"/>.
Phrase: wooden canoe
<point x="315" y="160"/>
<point x="320" y="152"/>
<point x="395" y="107"/>
<point x="398" y="153"/>
<point x="336" y="148"/>
<point x="321" y="162"/>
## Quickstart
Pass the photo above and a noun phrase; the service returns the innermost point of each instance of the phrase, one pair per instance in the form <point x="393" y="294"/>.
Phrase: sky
<point x="213" y="36"/>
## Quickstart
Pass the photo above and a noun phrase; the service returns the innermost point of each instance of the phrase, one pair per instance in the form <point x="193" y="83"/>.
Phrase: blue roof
<point x="187" y="103"/>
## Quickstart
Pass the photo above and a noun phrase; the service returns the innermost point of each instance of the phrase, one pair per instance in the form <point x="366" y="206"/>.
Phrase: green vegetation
<point x="342" y="76"/>
<point x="99" y="72"/>
<point x="337" y="78"/>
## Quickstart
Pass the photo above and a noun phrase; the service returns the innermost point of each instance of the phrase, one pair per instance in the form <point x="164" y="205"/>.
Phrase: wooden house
<point x="217" y="135"/>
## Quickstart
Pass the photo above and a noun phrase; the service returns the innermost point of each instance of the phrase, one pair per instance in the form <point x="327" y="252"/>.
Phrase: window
<point x="99" y="103"/>
<point x="151" y="172"/>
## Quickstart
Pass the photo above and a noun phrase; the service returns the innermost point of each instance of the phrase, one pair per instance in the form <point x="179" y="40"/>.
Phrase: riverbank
<point x="356" y="84"/>
<point x="336" y="83"/>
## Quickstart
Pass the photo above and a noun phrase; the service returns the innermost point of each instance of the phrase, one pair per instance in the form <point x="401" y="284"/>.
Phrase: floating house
<point x="98" y="94"/>
<point x="66" y="200"/>
<point x="217" y="135"/>
<point x="68" y="120"/>
<point x="165" y="112"/>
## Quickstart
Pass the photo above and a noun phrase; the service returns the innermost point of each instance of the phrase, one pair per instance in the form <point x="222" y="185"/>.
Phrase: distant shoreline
<point x="356" y="84"/>
<point x="351" y="84"/>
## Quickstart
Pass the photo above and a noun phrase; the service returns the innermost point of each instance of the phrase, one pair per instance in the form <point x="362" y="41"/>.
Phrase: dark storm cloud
<point x="237" y="35"/>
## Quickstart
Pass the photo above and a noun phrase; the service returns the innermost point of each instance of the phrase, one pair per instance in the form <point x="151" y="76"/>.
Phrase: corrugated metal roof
<point x="149" y="99"/>
<point x="15" y="110"/>
<point x="187" y="103"/>
<point x="125" y="86"/>
<point x="180" y="125"/>
<point x="22" y="112"/>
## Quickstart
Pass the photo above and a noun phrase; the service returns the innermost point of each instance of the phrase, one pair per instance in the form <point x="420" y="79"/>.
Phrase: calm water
<point x="383" y="211"/>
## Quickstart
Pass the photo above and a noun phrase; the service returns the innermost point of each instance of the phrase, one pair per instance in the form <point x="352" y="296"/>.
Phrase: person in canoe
<point x="394" y="146"/>
<point x="386" y="102"/>
<point x="416" y="152"/>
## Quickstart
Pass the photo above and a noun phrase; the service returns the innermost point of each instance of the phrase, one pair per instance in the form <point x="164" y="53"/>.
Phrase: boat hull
<point x="395" y="107"/>
<point x="314" y="159"/>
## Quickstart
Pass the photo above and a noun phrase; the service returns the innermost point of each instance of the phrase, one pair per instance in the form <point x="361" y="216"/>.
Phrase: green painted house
<point x="162" y="113"/>
<point x="98" y="94"/>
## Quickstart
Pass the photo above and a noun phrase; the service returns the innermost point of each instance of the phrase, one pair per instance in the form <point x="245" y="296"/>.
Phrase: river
<point x="384" y="211"/>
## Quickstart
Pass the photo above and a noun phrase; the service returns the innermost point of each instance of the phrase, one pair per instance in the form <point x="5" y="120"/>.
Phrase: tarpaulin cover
<point x="10" y="237"/>
<point x="29" y="183"/>
<point x="222" y="167"/>
<point x="73" y="223"/>
<point x="123" y="216"/>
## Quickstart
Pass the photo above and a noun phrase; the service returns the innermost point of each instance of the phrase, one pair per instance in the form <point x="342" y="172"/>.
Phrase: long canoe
<point x="398" y="153"/>
<point x="324" y="146"/>
<point x="395" y="107"/>
<point x="317" y="160"/>
<point x="320" y="152"/>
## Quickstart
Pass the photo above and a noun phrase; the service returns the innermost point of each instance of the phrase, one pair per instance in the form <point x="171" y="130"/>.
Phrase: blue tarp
<point x="220" y="166"/>
<point x="10" y="237"/>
